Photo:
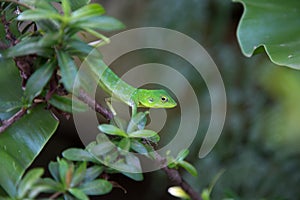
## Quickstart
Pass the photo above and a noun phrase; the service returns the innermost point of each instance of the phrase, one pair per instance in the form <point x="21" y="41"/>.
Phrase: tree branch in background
<point x="19" y="3"/>
<point x="83" y="96"/>
<point x="9" y="36"/>
<point x="176" y="178"/>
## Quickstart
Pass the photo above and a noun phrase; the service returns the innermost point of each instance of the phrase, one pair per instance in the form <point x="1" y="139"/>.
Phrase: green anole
<point x="134" y="97"/>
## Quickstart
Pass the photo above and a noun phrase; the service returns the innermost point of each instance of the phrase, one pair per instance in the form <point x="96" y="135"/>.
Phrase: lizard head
<point x="155" y="99"/>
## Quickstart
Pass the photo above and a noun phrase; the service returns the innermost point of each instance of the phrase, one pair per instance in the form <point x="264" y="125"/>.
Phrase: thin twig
<point x="55" y="195"/>
<point x="9" y="36"/>
<point x="19" y="3"/>
<point x="24" y="63"/>
<point x="7" y="123"/>
<point x="177" y="179"/>
<point x="83" y="96"/>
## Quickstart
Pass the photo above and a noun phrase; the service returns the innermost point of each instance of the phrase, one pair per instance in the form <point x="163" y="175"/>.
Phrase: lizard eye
<point x="150" y="100"/>
<point x="164" y="99"/>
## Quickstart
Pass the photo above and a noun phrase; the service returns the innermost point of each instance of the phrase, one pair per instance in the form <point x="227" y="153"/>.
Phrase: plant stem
<point x="13" y="119"/>
<point x="19" y="3"/>
<point x="55" y="195"/>
<point x="83" y="96"/>
<point x="176" y="178"/>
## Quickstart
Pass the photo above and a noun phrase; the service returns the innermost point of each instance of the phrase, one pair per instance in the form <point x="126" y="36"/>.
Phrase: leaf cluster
<point x="47" y="36"/>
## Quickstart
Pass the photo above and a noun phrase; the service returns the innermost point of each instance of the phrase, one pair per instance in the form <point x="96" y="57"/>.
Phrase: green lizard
<point x="134" y="97"/>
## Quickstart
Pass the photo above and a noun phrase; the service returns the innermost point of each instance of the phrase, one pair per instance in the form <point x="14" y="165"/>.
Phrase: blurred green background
<point x="259" y="146"/>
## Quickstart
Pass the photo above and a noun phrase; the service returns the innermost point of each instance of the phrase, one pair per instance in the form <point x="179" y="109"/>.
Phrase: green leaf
<point x="54" y="171"/>
<point x="139" y="118"/>
<point x="93" y="172"/>
<point x="49" y="26"/>
<point x="46" y="4"/>
<point x="67" y="196"/>
<point x="66" y="7"/>
<point x="273" y="25"/>
<point x="121" y="123"/>
<point x="124" y="144"/>
<point x="154" y="138"/>
<point x="142" y="134"/>
<point x="134" y="176"/>
<point x="49" y="39"/>
<point x="206" y="195"/>
<point x="28" y="46"/>
<point x="79" y="174"/>
<point x="103" y="23"/>
<point x="21" y="143"/>
<point x="102" y="148"/>
<point x="130" y="167"/>
<point x="188" y="167"/>
<point x="78" y="4"/>
<point x="28" y="181"/>
<point x="38" y="80"/>
<point x="100" y="138"/>
<point x="87" y="11"/>
<point x="96" y="187"/>
<point x="40" y="188"/>
<point x="67" y="104"/>
<point x="182" y="154"/>
<point x="28" y="2"/>
<point x="75" y="154"/>
<point x="68" y="69"/>
<point x="138" y="147"/>
<point x="63" y="171"/>
<point x="39" y="14"/>
<point x="49" y="185"/>
<point x="10" y="106"/>
<point x="12" y="90"/>
<point x="78" y="193"/>
<point x="77" y="47"/>
<point x="112" y="130"/>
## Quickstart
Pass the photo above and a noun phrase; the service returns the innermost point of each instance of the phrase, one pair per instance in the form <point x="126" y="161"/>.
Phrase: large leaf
<point x="273" y="24"/>
<point x="23" y="141"/>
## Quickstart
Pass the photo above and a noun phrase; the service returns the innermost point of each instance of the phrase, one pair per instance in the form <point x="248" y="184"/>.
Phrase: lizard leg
<point x="134" y="110"/>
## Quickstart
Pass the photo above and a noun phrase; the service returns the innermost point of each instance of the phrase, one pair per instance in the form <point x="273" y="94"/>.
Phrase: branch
<point x="24" y="63"/>
<point x="176" y="178"/>
<point x="9" y="36"/>
<point x="83" y="96"/>
<point x="19" y="3"/>
<point x="13" y="119"/>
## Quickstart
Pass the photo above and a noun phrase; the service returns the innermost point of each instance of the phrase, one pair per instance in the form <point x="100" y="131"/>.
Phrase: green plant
<point x="273" y="27"/>
<point x="39" y="41"/>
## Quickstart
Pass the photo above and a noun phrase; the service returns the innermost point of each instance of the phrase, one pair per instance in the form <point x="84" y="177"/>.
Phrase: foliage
<point x="21" y="143"/>
<point x="273" y="26"/>
<point x="40" y="39"/>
